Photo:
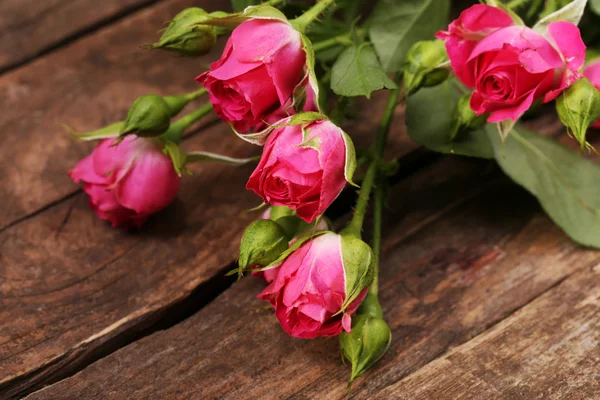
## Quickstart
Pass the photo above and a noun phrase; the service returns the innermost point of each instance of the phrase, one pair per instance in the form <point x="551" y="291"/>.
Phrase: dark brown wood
<point x="30" y="27"/>
<point x="71" y="288"/>
<point x="549" y="349"/>
<point x="85" y="85"/>
<point x="463" y="250"/>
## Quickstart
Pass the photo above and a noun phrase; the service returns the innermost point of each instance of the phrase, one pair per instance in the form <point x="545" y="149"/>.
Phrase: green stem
<point x="376" y="245"/>
<point x="355" y="226"/>
<point x="177" y="128"/>
<point x="340" y="40"/>
<point x="303" y="21"/>
<point x="516" y="3"/>
<point x="196" y="95"/>
<point x="272" y="3"/>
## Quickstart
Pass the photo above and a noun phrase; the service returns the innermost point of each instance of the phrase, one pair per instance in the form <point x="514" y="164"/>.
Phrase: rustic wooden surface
<point x="485" y="296"/>
<point x="72" y="288"/>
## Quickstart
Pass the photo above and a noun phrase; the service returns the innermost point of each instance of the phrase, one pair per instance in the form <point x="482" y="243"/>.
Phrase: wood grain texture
<point x="29" y="27"/>
<point x="462" y="251"/>
<point x="86" y="85"/>
<point x="550" y="349"/>
<point x="71" y="288"/>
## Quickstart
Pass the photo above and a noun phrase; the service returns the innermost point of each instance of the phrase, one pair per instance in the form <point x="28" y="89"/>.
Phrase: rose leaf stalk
<point x="303" y="22"/>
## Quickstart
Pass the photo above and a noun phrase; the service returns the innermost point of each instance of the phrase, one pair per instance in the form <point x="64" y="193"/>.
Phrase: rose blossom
<point x="310" y="289"/>
<point x="304" y="171"/>
<point x="127" y="182"/>
<point x="263" y="62"/>
<point x="592" y="72"/>
<point x="511" y="67"/>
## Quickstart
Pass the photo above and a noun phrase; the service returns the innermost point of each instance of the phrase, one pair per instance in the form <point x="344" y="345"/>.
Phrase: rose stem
<point x="355" y="225"/>
<point x="177" y="128"/>
<point x="195" y="95"/>
<point x="272" y="3"/>
<point x="344" y="40"/>
<point x="303" y="21"/>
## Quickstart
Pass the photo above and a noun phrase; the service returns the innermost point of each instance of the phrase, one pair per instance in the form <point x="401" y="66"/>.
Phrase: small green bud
<point x="187" y="35"/>
<point x="423" y="66"/>
<point x="262" y="243"/>
<point x="464" y="119"/>
<point x="368" y="341"/>
<point x="148" y="116"/>
<point x="578" y="108"/>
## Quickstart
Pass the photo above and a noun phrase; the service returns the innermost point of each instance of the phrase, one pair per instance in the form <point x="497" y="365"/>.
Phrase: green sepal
<point x="357" y="259"/>
<point x="295" y="246"/>
<point x="176" y="103"/>
<point x="505" y="128"/>
<point x="572" y="12"/>
<point x="110" y="131"/>
<point x="259" y="138"/>
<point x="310" y="69"/>
<point x="350" y="166"/>
<point x="231" y="21"/>
<point x="205" y="156"/>
<point x="279" y="212"/>
<point x="464" y="119"/>
<point x="178" y="156"/>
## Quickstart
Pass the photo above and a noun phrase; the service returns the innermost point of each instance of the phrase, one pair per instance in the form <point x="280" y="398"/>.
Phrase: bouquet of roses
<point x="284" y="82"/>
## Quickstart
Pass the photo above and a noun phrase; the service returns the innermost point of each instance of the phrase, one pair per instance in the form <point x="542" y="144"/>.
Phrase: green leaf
<point x="429" y="120"/>
<point x="357" y="72"/>
<point x="397" y="24"/>
<point x="565" y="183"/>
<point x="572" y="12"/>
<point x="595" y="6"/>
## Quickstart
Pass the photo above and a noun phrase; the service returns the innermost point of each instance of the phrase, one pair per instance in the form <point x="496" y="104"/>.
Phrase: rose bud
<point x="422" y="67"/>
<point x="464" y="119"/>
<point x="511" y="67"/>
<point x="578" y="108"/>
<point x="322" y="280"/>
<point x="127" y="182"/>
<point x="186" y="34"/>
<point x="262" y="243"/>
<point x="149" y="116"/>
<point x="262" y="65"/>
<point x="293" y="227"/>
<point x="369" y="339"/>
<point x="304" y="167"/>
<point x="592" y="72"/>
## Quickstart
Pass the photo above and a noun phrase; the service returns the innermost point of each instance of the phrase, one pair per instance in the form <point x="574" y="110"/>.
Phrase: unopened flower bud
<point x="187" y="35"/>
<point x="369" y="339"/>
<point x="262" y="243"/>
<point x="464" y="119"/>
<point x="148" y="116"/>
<point x="578" y="108"/>
<point x="423" y="66"/>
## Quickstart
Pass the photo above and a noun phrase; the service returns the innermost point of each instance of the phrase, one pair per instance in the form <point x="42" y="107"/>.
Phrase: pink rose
<point x="464" y="33"/>
<point x="127" y="182"/>
<point x="592" y="72"/>
<point x="512" y="67"/>
<point x="310" y="290"/>
<point x="303" y="167"/>
<point x="261" y="66"/>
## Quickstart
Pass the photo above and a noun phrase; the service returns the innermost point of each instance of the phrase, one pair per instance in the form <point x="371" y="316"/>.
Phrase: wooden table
<point x="486" y="298"/>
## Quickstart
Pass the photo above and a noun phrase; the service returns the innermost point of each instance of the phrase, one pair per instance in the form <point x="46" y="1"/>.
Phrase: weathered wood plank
<point x="462" y="251"/>
<point x="29" y="27"/>
<point x="86" y="85"/>
<point x="547" y="350"/>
